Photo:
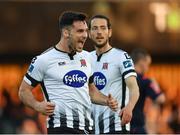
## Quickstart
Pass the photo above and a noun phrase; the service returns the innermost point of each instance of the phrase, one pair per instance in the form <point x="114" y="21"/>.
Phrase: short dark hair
<point x="138" y="54"/>
<point x="101" y="17"/>
<point x="68" y="17"/>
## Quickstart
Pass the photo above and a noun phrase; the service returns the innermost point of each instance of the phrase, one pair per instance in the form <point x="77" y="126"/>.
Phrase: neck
<point x="138" y="69"/>
<point x="63" y="46"/>
<point x="103" y="49"/>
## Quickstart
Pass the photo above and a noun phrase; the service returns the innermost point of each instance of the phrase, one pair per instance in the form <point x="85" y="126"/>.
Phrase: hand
<point x="46" y="108"/>
<point x="112" y="103"/>
<point x="126" y="115"/>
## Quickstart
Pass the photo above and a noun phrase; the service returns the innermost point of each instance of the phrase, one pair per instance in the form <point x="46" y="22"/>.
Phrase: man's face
<point x="77" y="36"/>
<point x="99" y="32"/>
<point x="145" y="63"/>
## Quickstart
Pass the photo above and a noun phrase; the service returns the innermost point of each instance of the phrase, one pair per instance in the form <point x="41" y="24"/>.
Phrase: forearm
<point x="27" y="97"/>
<point x="96" y="96"/>
<point x="133" y="97"/>
<point x="133" y="91"/>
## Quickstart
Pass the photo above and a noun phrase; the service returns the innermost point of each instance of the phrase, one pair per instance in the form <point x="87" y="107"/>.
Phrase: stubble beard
<point x="101" y="45"/>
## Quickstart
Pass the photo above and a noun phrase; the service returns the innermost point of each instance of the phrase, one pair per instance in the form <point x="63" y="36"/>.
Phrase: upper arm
<point x="25" y="86"/>
<point x="35" y="73"/>
<point x="126" y="66"/>
<point x="131" y="82"/>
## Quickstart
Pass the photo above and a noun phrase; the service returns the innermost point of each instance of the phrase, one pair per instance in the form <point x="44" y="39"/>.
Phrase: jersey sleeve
<point x="127" y="66"/>
<point x="35" y="72"/>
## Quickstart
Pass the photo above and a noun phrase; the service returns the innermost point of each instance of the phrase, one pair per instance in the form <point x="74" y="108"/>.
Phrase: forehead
<point x="98" y="22"/>
<point x="80" y="24"/>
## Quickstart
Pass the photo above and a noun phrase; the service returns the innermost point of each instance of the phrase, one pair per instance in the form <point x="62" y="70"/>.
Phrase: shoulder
<point x="120" y="54"/>
<point x="44" y="56"/>
<point x="93" y="52"/>
<point x="85" y="52"/>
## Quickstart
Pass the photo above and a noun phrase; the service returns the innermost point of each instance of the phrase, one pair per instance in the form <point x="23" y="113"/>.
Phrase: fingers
<point x="120" y="113"/>
<point x="113" y="106"/>
<point x="126" y="117"/>
<point x="110" y="97"/>
<point x="112" y="103"/>
<point x="50" y="108"/>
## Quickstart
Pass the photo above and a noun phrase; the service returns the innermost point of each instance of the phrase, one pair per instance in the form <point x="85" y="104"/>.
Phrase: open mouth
<point x="82" y="42"/>
<point x="99" y="38"/>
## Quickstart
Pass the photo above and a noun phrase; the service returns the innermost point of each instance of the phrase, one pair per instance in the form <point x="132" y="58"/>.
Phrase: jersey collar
<point x="71" y="55"/>
<point x="100" y="55"/>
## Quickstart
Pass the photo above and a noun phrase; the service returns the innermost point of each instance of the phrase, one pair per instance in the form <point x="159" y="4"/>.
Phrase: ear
<point x="110" y="32"/>
<point x="65" y="33"/>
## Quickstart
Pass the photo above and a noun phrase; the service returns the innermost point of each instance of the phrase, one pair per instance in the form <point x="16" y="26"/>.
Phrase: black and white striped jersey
<point x="110" y="70"/>
<point x="64" y="79"/>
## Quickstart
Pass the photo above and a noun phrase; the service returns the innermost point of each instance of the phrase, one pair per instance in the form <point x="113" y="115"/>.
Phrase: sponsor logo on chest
<point x="75" y="78"/>
<point x="99" y="80"/>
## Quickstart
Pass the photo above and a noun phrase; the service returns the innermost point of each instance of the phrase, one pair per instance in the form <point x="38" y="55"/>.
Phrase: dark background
<point x="27" y="28"/>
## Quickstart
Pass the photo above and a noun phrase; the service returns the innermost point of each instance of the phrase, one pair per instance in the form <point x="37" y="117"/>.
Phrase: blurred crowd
<point x="15" y="117"/>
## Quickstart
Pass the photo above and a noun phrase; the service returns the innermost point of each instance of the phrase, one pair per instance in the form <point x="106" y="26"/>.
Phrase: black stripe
<point x="99" y="57"/>
<point x="45" y="91"/>
<point x="33" y="81"/>
<point x="112" y="122"/>
<point x="123" y="92"/>
<point x="127" y="72"/>
<point x="71" y="56"/>
<point x="101" y="123"/>
<point x="123" y="97"/>
<point x="91" y="79"/>
<point x="50" y="122"/>
<point x="75" y="118"/>
<point x="63" y="119"/>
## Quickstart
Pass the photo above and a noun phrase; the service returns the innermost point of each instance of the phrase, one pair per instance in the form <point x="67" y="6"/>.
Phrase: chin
<point x="100" y="45"/>
<point x="79" y="50"/>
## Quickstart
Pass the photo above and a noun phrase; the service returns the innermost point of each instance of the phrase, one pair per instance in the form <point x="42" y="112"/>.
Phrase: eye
<point x="94" y="28"/>
<point x="103" y="27"/>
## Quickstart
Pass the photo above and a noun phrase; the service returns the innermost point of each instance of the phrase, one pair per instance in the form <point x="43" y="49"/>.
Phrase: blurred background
<point x="28" y="27"/>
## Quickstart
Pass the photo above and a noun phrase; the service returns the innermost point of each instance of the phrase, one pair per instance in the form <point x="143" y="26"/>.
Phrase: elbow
<point x="20" y="93"/>
<point x="137" y="92"/>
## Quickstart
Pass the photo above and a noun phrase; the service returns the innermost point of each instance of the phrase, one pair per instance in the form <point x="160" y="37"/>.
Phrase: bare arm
<point x="126" y="112"/>
<point x="26" y="96"/>
<point x="133" y="91"/>
<point x="99" y="98"/>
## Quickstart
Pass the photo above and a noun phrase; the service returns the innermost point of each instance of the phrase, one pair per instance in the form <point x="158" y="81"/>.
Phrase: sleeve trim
<point x="32" y="80"/>
<point x="91" y="79"/>
<point x="128" y="73"/>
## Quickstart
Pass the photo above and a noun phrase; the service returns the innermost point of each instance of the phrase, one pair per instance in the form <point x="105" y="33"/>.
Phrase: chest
<point x="77" y="69"/>
<point x="108" y="67"/>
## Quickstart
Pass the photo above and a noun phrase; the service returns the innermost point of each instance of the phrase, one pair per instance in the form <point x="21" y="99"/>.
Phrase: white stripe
<point x="106" y="119"/>
<point x="69" y="116"/>
<point x="27" y="80"/>
<point x="81" y="118"/>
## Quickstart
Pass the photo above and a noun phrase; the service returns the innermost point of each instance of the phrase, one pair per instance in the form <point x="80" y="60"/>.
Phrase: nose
<point x="99" y="31"/>
<point x="85" y="34"/>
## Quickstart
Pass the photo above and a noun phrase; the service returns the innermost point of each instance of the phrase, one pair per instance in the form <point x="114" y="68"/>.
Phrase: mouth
<point x="98" y="38"/>
<point x="81" y="42"/>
